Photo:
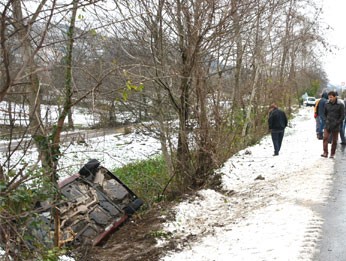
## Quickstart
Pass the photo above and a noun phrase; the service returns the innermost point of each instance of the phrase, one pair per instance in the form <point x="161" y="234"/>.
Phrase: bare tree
<point x="184" y="39"/>
<point x="25" y="61"/>
<point x="183" y="36"/>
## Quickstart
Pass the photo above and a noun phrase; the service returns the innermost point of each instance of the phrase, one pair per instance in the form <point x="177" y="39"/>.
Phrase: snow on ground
<point x="113" y="151"/>
<point x="49" y="113"/>
<point x="82" y="117"/>
<point x="274" y="218"/>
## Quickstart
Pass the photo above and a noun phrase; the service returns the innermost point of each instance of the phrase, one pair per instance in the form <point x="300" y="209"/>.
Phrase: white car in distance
<point x="310" y="101"/>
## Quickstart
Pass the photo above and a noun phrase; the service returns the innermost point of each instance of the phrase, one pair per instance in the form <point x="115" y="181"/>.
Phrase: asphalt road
<point x="332" y="246"/>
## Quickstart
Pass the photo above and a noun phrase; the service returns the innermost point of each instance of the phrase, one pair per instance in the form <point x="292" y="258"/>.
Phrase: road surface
<point x="332" y="246"/>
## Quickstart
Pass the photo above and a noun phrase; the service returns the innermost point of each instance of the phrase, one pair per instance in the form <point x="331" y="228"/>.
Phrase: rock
<point x="259" y="177"/>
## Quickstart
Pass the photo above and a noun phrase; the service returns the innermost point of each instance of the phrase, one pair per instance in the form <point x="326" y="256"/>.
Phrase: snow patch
<point x="272" y="218"/>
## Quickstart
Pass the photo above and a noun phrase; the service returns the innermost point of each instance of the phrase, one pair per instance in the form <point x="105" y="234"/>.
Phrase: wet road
<point x="332" y="246"/>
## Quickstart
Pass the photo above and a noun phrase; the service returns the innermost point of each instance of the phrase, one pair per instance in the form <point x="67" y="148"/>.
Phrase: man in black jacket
<point x="334" y="115"/>
<point x="277" y="122"/>
<point x="320" y="114"/>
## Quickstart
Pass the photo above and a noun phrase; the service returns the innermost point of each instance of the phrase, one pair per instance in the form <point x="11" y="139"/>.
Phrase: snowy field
<point x="268" y="218"/>
<point x="113" y="150"/>
<point x="49" y="113"/>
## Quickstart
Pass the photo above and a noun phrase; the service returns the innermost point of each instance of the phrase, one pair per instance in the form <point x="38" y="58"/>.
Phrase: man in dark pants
<point x="334" y="115"/>
<point x="277" y="122"/>
<point x="342" y="126"/>
<point x="320" y="114"/>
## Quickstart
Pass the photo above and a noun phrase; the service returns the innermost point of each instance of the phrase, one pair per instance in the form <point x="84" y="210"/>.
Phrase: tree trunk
<point x="184" y="167"/>
<point x="35" y="122"/>
<point x="206" y="148"/>
<point x="249" y="108"/>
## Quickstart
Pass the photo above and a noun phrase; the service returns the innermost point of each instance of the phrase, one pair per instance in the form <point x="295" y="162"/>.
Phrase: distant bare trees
<point x="203" y="54"/>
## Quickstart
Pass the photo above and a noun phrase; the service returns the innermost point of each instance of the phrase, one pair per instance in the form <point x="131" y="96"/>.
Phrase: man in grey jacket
<point x="334" y="113"/>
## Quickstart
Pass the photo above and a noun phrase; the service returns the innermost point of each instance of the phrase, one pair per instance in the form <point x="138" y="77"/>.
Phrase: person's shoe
<point x="332" y="156"/>
<point x="324" y="155"/>
<point x="276" y="154"/>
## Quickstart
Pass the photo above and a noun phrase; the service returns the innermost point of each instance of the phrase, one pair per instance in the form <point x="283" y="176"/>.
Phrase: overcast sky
<point x="334" y="15"/>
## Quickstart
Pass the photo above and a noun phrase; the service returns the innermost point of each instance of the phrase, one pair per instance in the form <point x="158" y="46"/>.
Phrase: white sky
<point x="334" y="15"/>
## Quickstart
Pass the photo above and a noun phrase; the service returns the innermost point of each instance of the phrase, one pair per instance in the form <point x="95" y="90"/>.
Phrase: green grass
<point x="146" y="179"/>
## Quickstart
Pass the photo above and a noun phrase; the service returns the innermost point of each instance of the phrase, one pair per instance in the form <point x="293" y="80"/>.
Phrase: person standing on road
<point x="342" y="126"/>
<point x="320" y="114"/>
<point x="334" y="113"/>
<point x="318" y="124"/>
<point x="277" y="122"/>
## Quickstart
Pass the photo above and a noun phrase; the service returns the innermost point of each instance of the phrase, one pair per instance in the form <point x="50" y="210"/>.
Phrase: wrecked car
<point x="94" y="203"/>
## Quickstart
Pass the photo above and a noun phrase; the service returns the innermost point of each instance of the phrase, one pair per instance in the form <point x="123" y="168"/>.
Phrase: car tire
<point x="131" y="208"/>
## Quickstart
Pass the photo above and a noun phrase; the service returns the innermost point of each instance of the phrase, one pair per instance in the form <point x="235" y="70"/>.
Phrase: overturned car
<point x="95" y="202"/>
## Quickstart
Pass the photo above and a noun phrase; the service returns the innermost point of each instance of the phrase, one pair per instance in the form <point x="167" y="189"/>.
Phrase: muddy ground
<point x="135" y="239"/>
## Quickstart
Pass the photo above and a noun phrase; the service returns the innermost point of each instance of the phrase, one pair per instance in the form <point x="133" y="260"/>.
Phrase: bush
<point x="146" y="179"/>
<point x="18" y="211"/>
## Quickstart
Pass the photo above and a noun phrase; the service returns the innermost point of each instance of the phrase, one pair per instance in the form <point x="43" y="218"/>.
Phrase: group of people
<point x="329" y="113"/>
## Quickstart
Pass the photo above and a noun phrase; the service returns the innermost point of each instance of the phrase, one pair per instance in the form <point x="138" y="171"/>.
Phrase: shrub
<point x="146" y="178"/>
